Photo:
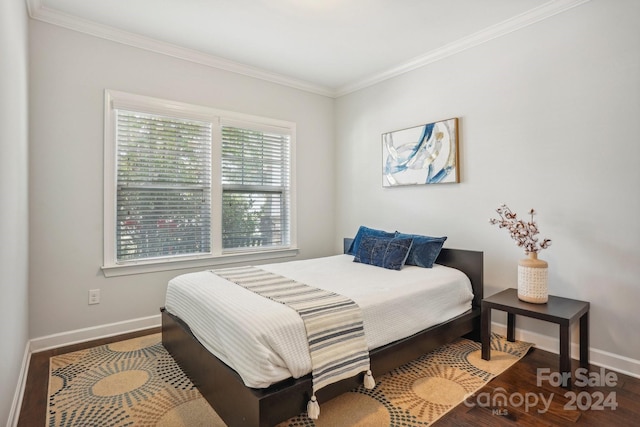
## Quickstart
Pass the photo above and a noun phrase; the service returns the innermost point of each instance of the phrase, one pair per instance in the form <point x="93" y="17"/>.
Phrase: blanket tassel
<point x="369" y="382"/>
<point x="313" y="408"/>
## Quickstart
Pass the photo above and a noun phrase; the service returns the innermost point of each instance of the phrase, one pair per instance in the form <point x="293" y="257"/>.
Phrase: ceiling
<point x="326" y="46"/>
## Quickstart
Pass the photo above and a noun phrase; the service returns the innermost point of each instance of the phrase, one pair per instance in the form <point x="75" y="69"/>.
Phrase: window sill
<point x="164" y="265"/>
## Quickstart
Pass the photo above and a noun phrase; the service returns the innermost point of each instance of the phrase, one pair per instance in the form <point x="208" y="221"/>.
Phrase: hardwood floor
<point x="518" y="385"/>
<point x="521" y="381"/>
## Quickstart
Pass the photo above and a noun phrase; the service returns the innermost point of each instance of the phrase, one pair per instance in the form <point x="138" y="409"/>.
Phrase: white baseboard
<point x="95" y="332"/>
<point x="615" y="362"/>
<point x="14" y="411"/>
<point x="621" y="364"/>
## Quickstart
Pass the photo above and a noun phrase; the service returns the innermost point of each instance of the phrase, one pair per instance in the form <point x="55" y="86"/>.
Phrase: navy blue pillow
<point x="387" y="252"/>
<point x="425" y="249"/>
<point x="366" y="231"/>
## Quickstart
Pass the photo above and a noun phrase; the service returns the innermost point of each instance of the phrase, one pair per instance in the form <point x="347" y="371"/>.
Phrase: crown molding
<point x="51" y="16"/>
<point x="553" y="7"/>
<point x="544" y="11"/>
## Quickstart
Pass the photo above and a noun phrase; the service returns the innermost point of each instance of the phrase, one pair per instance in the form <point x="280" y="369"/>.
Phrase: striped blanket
<point x="333" y="323"/>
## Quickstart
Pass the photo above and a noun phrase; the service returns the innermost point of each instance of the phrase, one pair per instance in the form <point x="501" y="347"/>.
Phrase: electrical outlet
<point x="94" y="296"/>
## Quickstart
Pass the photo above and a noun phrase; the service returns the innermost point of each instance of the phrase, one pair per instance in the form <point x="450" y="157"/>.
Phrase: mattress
<point x="265" y="341"/>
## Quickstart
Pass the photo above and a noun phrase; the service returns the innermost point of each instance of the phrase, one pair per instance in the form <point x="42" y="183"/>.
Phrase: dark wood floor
<point x="519" y="381"/>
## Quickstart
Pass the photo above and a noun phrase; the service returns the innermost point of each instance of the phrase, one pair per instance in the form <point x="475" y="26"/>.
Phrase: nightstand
<point x="562" y="311"/>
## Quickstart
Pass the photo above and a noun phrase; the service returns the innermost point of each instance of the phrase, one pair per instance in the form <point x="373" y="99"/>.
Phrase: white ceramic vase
<point x="532" y="279"/>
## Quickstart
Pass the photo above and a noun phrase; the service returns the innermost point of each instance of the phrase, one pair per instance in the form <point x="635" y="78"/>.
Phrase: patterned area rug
<point x="137" y="383"/>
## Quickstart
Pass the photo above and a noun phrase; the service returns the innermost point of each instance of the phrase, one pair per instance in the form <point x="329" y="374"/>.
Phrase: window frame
<point x="114" y="100"/>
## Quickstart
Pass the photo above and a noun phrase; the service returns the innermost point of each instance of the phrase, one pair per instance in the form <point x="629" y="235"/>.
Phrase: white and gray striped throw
<point x="333" y="323"/>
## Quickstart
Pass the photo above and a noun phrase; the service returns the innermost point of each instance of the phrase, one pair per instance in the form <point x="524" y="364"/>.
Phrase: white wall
<point x="13" y="198"/>
<point x="69" y="72"/>
<point x="548" y="120"/>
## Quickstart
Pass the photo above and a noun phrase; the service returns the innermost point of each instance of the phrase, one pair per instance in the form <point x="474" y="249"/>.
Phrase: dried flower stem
<point x="524" y="233"/>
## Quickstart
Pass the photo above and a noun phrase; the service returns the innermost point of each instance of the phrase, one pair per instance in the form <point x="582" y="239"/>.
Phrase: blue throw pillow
<point x="387" y="252"/>
<point x="425" y="249"/>
<point x="366" y="231"/>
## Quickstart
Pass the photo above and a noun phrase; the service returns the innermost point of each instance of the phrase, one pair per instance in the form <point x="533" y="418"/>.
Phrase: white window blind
<point x="255" y="188"/>
<point x="163" y="205"/>
<point x="190" y="186"/>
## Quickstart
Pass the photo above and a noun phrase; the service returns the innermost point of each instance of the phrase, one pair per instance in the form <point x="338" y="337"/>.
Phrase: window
<point x="189" y="186"/>
<point x="255" y="188"/>
<point x="163" y="201"/>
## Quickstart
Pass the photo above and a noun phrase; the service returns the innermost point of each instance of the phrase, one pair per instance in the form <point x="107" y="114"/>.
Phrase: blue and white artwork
<point x="426" y="154"/>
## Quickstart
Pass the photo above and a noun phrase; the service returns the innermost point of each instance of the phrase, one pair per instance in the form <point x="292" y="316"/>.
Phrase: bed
<point x="240" y="405"/>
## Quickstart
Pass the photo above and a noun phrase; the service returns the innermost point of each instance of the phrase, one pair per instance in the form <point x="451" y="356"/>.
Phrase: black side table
<point x="563" y="311"/>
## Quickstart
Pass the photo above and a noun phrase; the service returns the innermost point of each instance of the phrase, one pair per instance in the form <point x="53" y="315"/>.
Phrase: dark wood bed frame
<point x="239" y="405"/>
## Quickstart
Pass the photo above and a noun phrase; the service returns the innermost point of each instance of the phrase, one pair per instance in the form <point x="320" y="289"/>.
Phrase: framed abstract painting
<point x="426" y="154"/>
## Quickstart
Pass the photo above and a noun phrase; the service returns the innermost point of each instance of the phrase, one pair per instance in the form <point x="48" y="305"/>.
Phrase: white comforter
<point x="265" y="341"/>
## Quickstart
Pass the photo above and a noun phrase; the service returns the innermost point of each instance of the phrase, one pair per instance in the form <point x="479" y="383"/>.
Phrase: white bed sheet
<point x="265" y="341"/>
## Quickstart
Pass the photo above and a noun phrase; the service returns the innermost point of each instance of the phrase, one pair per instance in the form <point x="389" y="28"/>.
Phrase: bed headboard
<point x="469" y="262"/>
